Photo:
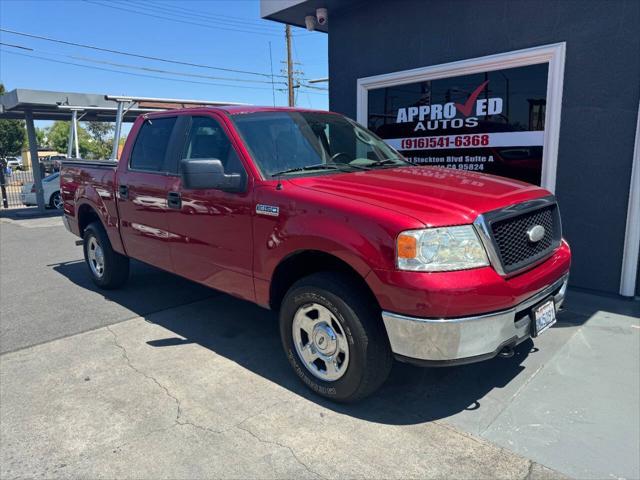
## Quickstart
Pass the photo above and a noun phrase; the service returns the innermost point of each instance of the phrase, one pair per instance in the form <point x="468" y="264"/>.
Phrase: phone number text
<point x="426" y="143"/>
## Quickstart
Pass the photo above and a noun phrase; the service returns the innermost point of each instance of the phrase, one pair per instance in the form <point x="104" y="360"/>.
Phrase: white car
<point x="51" y="189"/>
<point x="13" y="162"/>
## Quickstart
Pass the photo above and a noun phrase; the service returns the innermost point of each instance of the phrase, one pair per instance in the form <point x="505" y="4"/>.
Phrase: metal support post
<point x="35" y="161"/>
<point x="75" y="133"/>
<point x="3" y="181"/>
<point x="116" y="133"/>
<point x="74" y="115"/>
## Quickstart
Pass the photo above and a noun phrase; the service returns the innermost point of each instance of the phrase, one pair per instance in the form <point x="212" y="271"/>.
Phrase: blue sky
<point x="218" y="33"/>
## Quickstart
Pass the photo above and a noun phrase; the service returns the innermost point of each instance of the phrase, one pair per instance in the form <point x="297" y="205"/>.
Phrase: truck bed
<point x="90" y="184"/>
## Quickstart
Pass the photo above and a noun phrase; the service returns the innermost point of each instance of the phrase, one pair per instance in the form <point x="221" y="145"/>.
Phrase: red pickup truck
<point x="366" y="257"/>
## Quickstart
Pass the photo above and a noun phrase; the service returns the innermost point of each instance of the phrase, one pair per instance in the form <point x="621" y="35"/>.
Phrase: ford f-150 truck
<point x="366" y="257"/>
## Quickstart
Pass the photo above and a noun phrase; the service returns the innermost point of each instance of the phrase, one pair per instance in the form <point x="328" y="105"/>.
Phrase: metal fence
<point x="11" y="182"/>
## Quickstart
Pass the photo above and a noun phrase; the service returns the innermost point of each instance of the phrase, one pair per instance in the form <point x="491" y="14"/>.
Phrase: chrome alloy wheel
<point x="320" y="342"/>
<point x="96" y="257"/>
<point x="57" y="201"/>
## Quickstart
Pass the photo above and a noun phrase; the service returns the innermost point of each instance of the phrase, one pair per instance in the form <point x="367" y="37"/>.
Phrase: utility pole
<point x="287" y="34"/>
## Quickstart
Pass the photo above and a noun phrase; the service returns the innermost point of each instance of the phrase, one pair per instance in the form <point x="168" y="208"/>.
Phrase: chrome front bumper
<point x="465" y="340"/>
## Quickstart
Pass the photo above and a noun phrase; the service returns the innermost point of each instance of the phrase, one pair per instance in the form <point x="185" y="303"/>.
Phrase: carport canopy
<point x="30" y="105"/>
<point x="50" y="105"/>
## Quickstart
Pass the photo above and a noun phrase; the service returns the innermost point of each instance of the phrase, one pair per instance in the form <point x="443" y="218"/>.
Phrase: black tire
<point x="370" y="356"/>
<point x="115" y="271"/>
<point x="55" y="198"/>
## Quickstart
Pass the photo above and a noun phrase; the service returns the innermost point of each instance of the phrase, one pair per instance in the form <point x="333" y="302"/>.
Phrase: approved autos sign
<point x="489" y="122"/>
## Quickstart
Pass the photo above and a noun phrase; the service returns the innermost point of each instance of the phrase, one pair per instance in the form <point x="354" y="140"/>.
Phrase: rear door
<point x="211" y="230"/>
<point x="143" y="183"/>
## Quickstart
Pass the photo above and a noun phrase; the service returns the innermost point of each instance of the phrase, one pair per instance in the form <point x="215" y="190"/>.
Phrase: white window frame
<point x="553" y="54"/>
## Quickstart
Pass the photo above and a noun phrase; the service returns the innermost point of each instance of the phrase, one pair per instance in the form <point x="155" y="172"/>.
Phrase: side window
<point x="150" y="149"/>
<point x="207" y="139"/>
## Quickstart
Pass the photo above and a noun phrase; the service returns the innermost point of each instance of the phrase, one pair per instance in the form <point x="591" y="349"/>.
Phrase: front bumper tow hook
<point x="506" y="352"/>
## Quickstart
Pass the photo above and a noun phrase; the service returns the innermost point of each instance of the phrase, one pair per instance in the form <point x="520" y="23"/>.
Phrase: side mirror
<point x="208" y="173"/>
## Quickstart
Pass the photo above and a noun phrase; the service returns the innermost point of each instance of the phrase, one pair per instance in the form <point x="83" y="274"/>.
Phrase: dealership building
<point x="543" y="91"/>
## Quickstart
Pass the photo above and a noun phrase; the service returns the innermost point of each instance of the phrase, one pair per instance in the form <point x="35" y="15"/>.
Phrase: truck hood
<point x="434" y="196"/>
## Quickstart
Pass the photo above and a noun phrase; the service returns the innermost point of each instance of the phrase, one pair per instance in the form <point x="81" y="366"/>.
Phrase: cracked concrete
<point x="110" y="404"/>
<point x="150" y="377"/>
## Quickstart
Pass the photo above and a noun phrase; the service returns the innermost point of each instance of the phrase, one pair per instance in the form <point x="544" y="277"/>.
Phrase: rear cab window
<point x="151" y="147"/>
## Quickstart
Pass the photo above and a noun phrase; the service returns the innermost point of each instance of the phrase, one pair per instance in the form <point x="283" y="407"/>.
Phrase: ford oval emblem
<point x="536" y="233"/>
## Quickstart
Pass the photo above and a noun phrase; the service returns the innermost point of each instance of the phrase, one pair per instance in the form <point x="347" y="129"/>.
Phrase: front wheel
<point x="107" y="267"/>
<point x="334" y="338"/>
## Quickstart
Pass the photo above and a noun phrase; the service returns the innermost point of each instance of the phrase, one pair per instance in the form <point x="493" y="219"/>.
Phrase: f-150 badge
<point x="267" y="210"/>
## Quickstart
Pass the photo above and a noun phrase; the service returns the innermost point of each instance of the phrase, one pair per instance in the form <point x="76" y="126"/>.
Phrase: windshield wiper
<point x="389" y="161"/>
<point x="316" y="166"/>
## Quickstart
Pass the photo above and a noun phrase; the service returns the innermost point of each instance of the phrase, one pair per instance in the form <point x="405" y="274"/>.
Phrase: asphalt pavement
<point x="168" y="379"/>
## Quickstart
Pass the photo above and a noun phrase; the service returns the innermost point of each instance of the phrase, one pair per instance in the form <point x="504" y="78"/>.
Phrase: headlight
<point x="440" y="249"/>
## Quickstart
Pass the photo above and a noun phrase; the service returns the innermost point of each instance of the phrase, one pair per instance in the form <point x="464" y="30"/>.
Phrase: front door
<point x="211" y="231"/>
<point x="143" y="184"/>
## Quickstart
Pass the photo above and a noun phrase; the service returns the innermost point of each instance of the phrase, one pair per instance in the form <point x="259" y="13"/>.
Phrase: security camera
<point x="310" y="22"/>
<point x="322" y="15"/>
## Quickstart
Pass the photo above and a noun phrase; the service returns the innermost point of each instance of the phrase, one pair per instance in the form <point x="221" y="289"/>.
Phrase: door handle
<point x="123" y="191"/>
<point x="174" y="200"/>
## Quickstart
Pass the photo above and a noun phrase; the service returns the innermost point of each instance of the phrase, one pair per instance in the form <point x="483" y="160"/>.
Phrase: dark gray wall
<point x="600" y="100"/>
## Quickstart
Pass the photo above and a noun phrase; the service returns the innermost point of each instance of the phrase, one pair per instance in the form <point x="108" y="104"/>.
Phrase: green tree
<point x="41" y="137"/>
<point x="101" y="143"/>
<point x="12" y="135"/>
<point x="58" y="138"/>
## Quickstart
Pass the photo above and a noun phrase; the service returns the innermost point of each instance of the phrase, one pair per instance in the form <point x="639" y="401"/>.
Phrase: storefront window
<point x="491" y="122"/>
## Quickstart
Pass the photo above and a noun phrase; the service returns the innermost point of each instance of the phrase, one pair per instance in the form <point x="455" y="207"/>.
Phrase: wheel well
<point x="305" y="263"/>
<point x="86" y="215"/>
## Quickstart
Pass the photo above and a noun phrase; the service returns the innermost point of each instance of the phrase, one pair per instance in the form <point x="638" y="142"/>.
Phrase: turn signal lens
<point x="407" y="246"/>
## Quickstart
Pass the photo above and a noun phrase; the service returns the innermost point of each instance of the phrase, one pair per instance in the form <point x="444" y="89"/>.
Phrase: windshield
<point x="311" y="143"/>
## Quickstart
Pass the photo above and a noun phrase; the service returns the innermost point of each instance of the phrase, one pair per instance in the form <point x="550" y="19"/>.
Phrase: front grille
<point x="511" y="239"/>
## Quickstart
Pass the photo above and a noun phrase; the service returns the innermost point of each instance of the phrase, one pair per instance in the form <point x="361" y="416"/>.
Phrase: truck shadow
<point x="25" y="213"/>
<point x="248" y="335"/>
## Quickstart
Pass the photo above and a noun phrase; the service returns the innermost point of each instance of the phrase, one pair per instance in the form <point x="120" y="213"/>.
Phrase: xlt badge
<point x="270" y="210"/>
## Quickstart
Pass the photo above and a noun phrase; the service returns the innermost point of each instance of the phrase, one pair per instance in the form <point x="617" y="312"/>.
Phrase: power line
<point x="136" y="55"/>
<point x="311" y="92"/>
<point x="21" y="47"/>
<point x="215" y="17"/>
<point x="173" y="72"/>
<point x="313" y="87"/>
<point x="131" y="73"/>
<point x="136" y="67"/>
<point x="199" y="14"/>
<point x="175" y="20"/>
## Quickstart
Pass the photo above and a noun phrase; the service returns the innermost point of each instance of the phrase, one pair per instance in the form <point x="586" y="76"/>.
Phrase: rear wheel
<point x="334" y="337"/>
<point x="107" y="267"/>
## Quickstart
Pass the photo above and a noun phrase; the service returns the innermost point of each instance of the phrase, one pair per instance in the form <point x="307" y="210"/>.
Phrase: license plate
<point x="544" y="315"/>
